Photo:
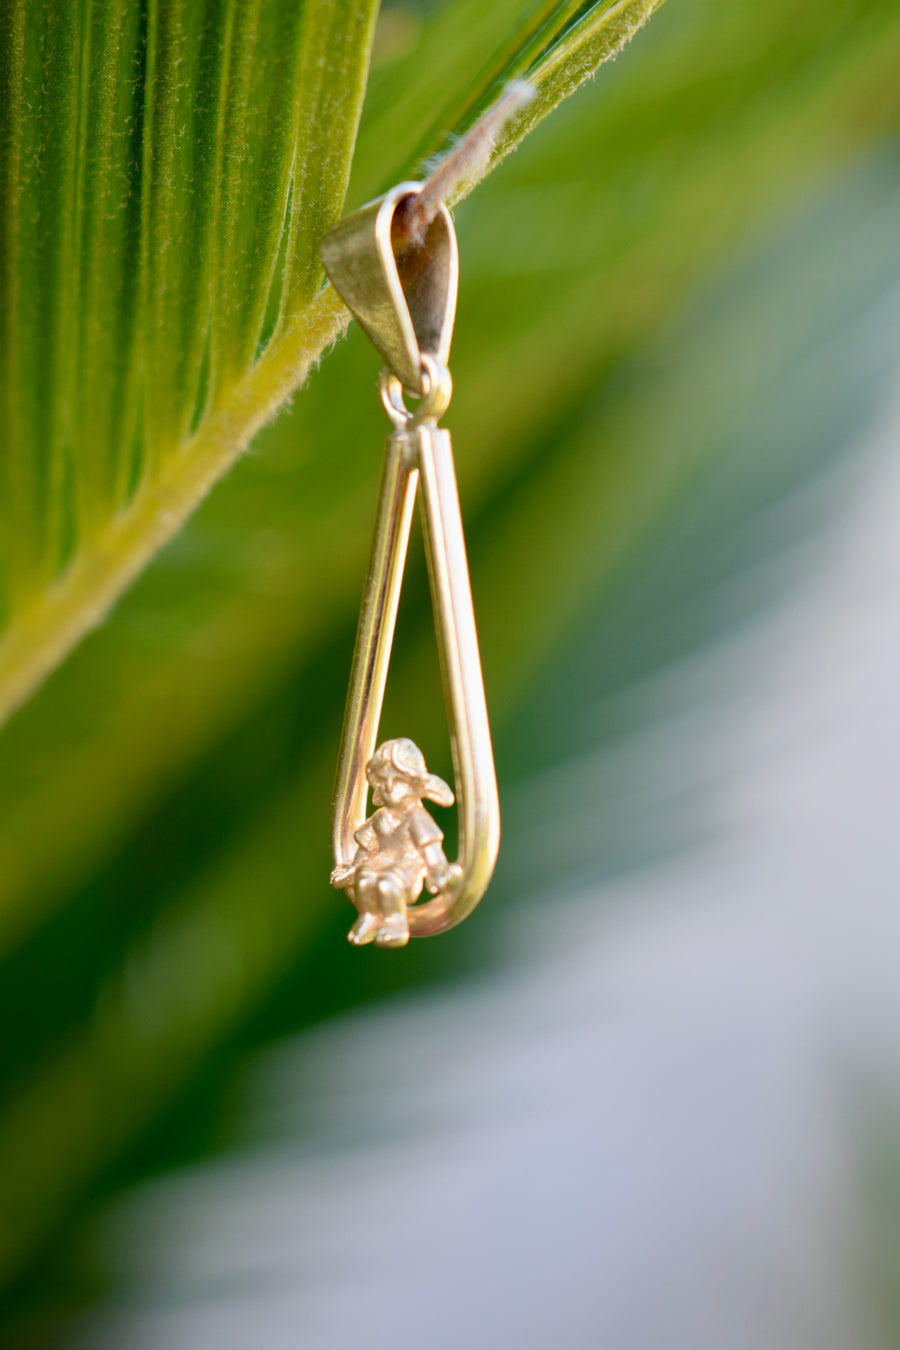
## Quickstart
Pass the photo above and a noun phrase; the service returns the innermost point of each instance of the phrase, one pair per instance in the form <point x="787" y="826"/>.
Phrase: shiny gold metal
<point x="405" y="305"/>
<point x="384" y="862"/>
<point x="421" y="455"/>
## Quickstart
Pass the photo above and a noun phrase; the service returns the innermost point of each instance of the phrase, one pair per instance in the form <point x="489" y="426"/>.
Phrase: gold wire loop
<point x="419" y="461"/>
<point x="437" y="391"/>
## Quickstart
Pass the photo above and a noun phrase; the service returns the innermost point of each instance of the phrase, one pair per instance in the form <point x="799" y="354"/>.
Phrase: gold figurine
<point x="400" y="846"/>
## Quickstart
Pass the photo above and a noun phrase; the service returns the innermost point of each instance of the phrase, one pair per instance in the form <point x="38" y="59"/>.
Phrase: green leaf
<point x="153" y="163"/>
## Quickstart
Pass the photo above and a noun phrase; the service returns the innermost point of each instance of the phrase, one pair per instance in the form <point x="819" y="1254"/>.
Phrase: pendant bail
<point x="406" y="304"/>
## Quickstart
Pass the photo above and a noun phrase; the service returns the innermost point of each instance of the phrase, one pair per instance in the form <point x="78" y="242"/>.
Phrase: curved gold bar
<point x="423" y="453"/>
<point x="478" y="805"/>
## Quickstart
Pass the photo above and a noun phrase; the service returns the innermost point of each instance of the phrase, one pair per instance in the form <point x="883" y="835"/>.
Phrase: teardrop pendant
<point x="386" y="860"/>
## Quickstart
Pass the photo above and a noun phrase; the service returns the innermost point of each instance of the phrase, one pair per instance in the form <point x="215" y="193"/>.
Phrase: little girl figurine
<point x="400" y="846"/>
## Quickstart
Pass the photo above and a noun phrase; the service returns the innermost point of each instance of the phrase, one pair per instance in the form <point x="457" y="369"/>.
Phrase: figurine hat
<point x="406" y="757"/>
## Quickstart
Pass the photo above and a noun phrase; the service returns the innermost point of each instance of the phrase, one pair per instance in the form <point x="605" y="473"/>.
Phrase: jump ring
<point x="437" y="390"/>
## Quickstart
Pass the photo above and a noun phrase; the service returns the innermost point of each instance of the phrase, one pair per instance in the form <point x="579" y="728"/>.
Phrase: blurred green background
<point x="678" y="311"/>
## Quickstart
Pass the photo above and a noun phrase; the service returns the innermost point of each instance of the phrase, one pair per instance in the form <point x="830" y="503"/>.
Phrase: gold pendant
<point x="406" y="304"/>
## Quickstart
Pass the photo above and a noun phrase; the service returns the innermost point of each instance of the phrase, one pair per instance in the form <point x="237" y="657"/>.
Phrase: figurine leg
<point x="393" y="930"/>
<point x="364" y="929"/>
<point x="369" y="921"/>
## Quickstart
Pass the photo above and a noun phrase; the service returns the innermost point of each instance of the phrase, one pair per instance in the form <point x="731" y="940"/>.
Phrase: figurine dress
<point x="393" y="841"/>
